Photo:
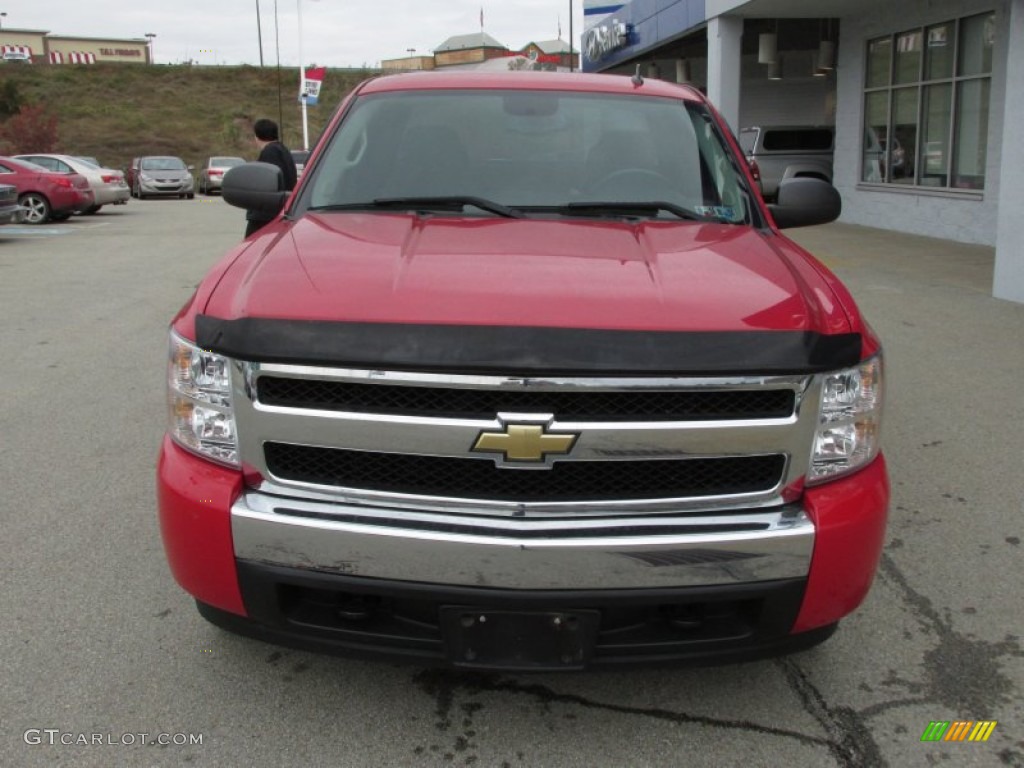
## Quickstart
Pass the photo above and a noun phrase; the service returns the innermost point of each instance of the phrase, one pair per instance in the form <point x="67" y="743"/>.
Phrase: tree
<point x="33" y="129"/>
<point x="10" y="99"/>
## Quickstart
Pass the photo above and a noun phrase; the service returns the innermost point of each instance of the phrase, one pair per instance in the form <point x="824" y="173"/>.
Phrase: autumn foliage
<point x="32" y="129"/>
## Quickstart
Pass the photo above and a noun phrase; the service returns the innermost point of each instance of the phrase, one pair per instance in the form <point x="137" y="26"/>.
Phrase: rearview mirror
<point x="804" y="202"/>
<point x="255" y="187"/>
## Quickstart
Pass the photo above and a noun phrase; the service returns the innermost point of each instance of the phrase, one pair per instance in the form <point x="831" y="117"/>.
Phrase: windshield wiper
<point x="442" y="203"/>
<point x="625" y="208"/>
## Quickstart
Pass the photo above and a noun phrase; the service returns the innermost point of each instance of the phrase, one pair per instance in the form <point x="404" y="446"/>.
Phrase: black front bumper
<point x="516" y="630"/>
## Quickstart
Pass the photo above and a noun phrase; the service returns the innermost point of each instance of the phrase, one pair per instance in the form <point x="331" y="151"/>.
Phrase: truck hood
<point x="647" y="275"/>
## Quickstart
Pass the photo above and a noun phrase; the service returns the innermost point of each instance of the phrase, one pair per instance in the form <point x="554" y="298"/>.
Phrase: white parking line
<point x="34" y="230"/>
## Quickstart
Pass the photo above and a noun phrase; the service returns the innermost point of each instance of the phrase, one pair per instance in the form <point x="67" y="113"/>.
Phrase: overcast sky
<point x="335" y="33"/>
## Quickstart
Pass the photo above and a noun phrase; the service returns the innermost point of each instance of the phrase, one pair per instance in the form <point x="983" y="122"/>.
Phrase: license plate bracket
<point x="480" y="638"/>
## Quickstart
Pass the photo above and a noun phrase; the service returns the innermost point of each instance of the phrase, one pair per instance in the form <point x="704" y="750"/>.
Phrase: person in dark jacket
<point x="274" y="152"/>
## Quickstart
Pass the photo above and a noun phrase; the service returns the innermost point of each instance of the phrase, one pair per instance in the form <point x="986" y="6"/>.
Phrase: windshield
<point x="163" y="164"/>
<point x="532" y="150"/>
<point x="225" y="162"/>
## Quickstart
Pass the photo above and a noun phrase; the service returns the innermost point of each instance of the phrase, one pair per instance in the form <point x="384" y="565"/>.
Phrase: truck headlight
<point x="200" y="416"/>
<point x="849" y="425"/>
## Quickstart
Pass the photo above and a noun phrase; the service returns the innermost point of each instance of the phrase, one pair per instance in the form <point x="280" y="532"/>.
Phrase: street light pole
<point x="277" y="46"/>
<point x="572" y="45"/>
<point x="302" y="84"/>
<point x="150" y="36"/>
<point x="259" y="31"/>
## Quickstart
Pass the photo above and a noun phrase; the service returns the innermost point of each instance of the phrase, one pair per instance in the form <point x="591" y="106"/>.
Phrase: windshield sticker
<point x="719" y="211"/>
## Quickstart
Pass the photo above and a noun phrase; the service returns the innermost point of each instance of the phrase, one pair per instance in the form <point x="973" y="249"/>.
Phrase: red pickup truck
<point x="524" y="376"/>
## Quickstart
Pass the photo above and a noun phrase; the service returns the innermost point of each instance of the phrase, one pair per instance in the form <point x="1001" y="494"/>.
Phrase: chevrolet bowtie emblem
<point x="524" y="443"/>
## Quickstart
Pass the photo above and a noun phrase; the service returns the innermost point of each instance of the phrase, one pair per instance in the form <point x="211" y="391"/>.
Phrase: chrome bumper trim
<point x="645" y="552"/>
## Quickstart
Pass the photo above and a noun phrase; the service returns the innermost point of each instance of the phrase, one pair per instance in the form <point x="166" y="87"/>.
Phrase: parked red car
<point x="45" y="195"/>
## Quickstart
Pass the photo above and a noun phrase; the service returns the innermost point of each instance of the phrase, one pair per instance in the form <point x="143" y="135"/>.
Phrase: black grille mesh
<point x="482" y="479"/>
<point x="485" y="403"/>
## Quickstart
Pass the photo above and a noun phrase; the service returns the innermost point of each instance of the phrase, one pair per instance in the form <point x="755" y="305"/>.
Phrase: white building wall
<point x="964" y="218"/>
<point x="1009" y="269"/>
<point x="725" y="37"/>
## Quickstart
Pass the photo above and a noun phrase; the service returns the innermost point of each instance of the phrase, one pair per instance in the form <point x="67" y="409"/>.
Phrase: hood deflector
<point x="508" y="349"/>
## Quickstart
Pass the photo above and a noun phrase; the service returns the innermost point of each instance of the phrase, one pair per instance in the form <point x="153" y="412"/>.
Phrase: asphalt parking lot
<point x="99" y="641"/>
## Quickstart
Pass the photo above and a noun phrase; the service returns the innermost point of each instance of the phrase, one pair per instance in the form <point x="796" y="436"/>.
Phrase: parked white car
<point x="211" y="177"/>
<point x="107" y="184"/>
<point x="16" y="57"/>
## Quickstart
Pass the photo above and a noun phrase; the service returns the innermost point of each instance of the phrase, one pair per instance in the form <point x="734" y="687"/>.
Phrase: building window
<point x="926" y="103"/>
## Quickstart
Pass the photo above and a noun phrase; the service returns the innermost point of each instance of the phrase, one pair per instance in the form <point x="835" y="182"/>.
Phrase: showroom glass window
<point x="926" y="105"/>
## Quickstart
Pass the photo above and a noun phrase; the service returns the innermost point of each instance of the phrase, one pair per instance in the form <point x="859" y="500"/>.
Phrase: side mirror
<point x="804" y="202"/>
<point x="191" y="167"/>
<point x="255" y="187"/>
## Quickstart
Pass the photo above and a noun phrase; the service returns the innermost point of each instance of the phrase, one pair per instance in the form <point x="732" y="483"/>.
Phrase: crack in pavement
<point x="442" y="685"/>
<point x="962" y="674"/>
<point x="850" y="740"/>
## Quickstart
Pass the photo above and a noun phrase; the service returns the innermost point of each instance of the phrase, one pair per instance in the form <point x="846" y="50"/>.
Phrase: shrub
<point x="33" y="129"/>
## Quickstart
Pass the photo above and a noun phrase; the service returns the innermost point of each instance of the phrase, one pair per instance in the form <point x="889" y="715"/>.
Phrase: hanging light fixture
<point x="826" y="52"/>
<point x="682" y="71"/>
<point x="827" y="56"/>
<point x="768" y="46"/>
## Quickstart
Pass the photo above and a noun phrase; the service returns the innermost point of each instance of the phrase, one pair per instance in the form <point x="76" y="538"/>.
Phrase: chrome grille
<point x="567" y="481"/>
<point x="590" y="405"/>
<point x="405" y="440"/>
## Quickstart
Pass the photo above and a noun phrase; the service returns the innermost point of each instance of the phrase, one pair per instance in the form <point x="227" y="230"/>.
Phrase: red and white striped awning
<point x="24" y="49"/>
<point x="76" y="57"/>
<point x="56" y="57"/>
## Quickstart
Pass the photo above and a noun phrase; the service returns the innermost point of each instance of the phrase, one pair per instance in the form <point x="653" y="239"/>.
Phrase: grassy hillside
<point x="117" y="111"/>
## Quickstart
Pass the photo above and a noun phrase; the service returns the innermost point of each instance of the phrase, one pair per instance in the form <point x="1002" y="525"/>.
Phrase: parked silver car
<point x="108" y="185"/>
<point x="160" y="175"/>
<point x="11" y="211"/>
<point x="211" y="177"/>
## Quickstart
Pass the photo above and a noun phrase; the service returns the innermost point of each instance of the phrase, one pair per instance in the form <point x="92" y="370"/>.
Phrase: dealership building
<point x="941" y="81"/>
